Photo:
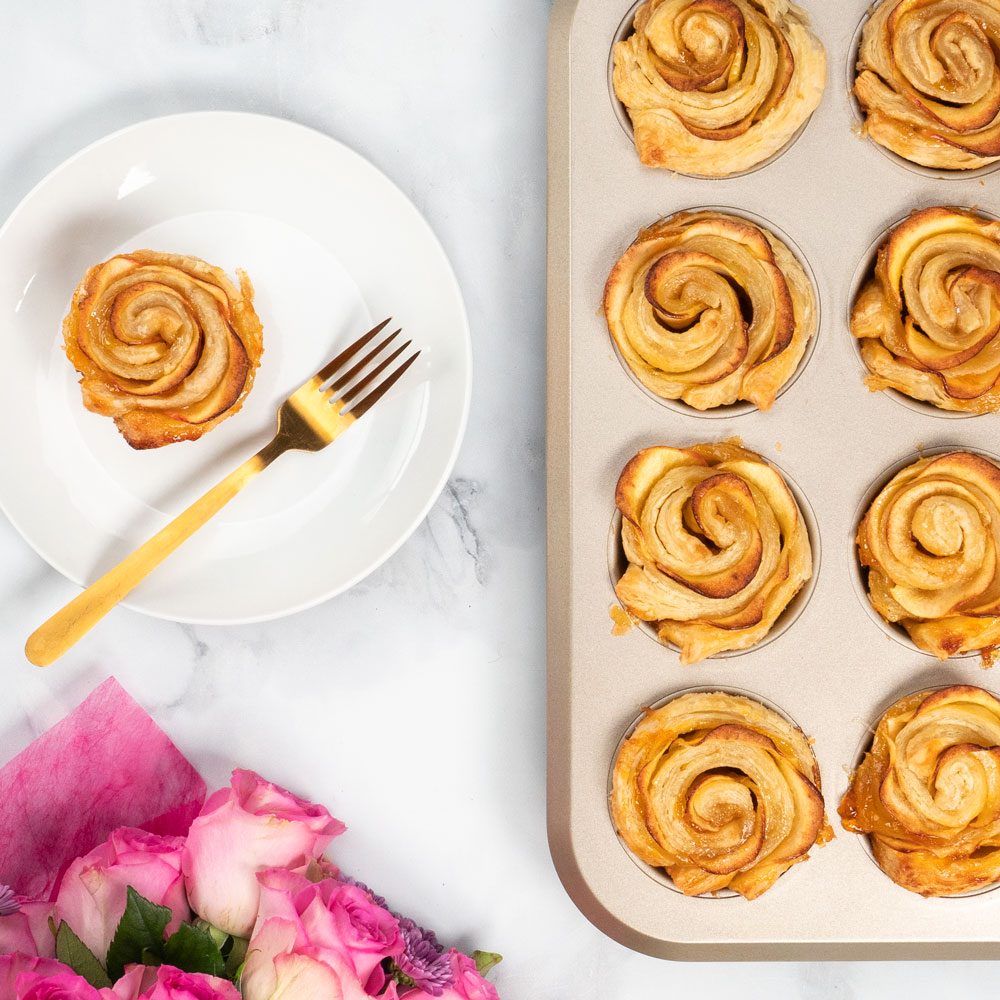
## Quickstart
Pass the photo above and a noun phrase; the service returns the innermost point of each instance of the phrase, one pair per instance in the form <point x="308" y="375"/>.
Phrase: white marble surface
<point x="413" y="706"/>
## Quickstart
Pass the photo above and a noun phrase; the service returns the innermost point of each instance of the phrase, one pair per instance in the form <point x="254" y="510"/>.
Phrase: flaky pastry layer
<point x="931" y="543"/>
<point x="720" y="791"/>
<point x="716" y="546"/>
<point x="928" y="792"/>
<point x="166" y="345"/>
<point x="928" y="319"/>
<point x="710" y="309"/>
<point x="715" y="87"/>
<point x="928" y="81"/>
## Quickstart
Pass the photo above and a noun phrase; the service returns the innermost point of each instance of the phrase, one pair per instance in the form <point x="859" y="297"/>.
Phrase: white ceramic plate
<point x="332" y="247"/>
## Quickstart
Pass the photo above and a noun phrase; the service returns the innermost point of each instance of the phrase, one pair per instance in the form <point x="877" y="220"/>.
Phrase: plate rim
<point x="270" y="121"/>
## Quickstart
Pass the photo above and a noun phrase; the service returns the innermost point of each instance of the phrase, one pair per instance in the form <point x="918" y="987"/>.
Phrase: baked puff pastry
<point x="167" y="346"/>
<point x="929" y="318"/>
<point x="710" y="309"/>
<point x="931" y="543"/>
<point x="719" y="791"/>
<point x="928" y="81"/>
<point x="927" y="794"/>
<point x="715" y="87"/>
<point x="716" y="546"/>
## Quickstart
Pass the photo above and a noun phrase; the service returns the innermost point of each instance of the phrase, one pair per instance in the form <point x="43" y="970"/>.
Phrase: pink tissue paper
<point x="107" y="764"/>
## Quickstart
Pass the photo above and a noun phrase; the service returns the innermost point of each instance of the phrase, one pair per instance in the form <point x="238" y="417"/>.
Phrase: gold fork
<point x="315" y="415"/>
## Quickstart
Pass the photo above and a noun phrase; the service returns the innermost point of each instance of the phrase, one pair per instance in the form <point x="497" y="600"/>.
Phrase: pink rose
<point x="332" y="922"/>
<point x="172" y="984"/>
<point x="64" y="984"/>
<point x="467" y="982"/>
<point x="28" y="932"/>
<point x="243" y="830"/>
<point x="12" y="965"/>
<point x="92" y="893"/>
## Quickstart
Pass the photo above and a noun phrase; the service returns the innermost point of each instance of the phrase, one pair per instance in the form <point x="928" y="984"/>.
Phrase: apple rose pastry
<point x="166" y="345"/>
<point x="929" y="318"/>
<point x="715" y="87"/>
<point x="931" y="541"/>
<point x="927" y="794"/>
<point x="710" y="309"/>
<point x="929" y="81"/>
<point x="716" y="546"/>
<point x="719" y="791"/>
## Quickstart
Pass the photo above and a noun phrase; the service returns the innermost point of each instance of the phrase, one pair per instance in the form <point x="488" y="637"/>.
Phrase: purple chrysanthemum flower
<point x="423" y="959"/>
<point x="9" y="904"/>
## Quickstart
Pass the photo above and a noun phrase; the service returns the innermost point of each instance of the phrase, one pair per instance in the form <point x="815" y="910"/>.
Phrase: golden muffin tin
<point x="834" y="667"/>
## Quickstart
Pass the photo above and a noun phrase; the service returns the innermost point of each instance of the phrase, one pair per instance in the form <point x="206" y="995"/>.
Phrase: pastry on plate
<point x="927" y="793"/>
<point x="716" y="546"/>
<point x="720" y="792"/>
<point x="710" y="309"/>
<point x="931" y="544"/>
<point x="928" y="318"/>
<point x="716" y="87"/>
<point x="166" y="345"/>
<point x="928" y="81"/>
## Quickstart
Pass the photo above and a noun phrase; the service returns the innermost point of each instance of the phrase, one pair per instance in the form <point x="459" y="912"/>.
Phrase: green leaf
<point x="236" y="957"/>
<point x="71" y="951"/>
<point x="192" y="949"/>
<point x="218" y="936"/>
<point x="139" y="937"/>
<point x="486" y="960"/>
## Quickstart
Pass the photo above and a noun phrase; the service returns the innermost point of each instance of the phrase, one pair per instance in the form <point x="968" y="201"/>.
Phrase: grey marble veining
<point x="414" y="705"/>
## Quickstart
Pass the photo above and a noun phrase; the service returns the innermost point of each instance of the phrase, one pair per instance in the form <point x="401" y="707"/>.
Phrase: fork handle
<point x="66" y="627"/>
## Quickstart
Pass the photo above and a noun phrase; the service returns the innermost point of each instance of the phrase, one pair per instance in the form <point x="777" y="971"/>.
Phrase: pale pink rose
<point x="330" y="918"/>
<point x="275" y="970"/>
<point x="12" y="965"/>
<point x="92" y="893"/>
<point x="28" y="932"/>
<point x="245" y="829"/>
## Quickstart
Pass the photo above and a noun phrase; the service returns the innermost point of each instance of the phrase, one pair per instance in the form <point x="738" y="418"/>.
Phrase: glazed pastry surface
<point x="928" y="81"/>
<point x="716" y="87"/>
<point x="710" y="309"/>
<point x="931" y="544"/>
<point x="166" y="345"/>
<point x="719" y="791"/>
<point x="927" y="794"/>
<point x="716" y="546"/>
<point x="928" y="319"/>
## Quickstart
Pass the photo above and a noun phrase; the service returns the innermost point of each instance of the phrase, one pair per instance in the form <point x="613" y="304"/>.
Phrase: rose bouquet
<point x="239" y="901"/>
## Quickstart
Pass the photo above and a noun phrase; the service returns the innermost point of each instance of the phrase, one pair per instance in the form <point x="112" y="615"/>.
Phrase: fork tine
<point x="335" y="365"/>
<point x="355" y="390"/>
<point x="349" y="376"/>
<point x="379" y="391"/>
